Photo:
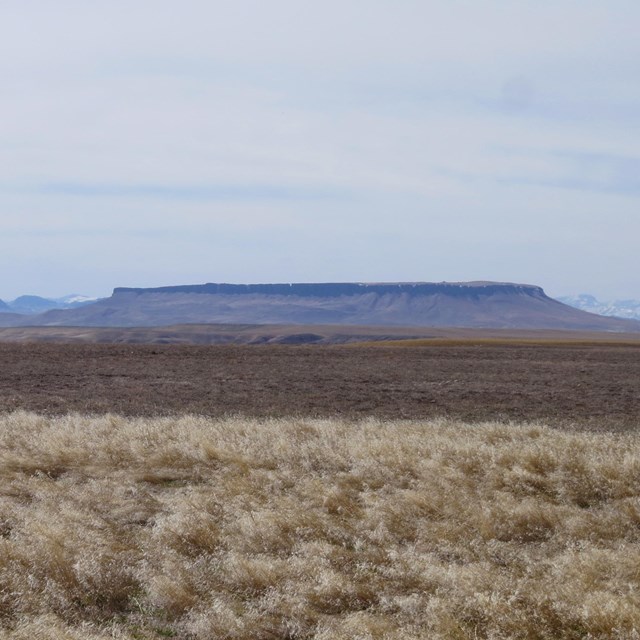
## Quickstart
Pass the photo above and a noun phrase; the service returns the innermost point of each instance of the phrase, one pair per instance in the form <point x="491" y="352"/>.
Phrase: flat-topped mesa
<point x="390" y="304"/>
<point x="337" y="289"/>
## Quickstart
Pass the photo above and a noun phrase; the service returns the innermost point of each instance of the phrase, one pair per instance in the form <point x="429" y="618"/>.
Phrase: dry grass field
<point x="474" y="489"/>
<point x="203" y="528"/>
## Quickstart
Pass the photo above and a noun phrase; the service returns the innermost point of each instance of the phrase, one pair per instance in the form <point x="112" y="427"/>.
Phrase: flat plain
<point x="594" y="385"/>
<point x="452" y="488"/>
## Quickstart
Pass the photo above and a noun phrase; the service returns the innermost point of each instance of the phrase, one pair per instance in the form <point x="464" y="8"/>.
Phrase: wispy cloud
<point x="604" y="172"/>
<point x="188" y="192"/>
<point x="583" y="171"/>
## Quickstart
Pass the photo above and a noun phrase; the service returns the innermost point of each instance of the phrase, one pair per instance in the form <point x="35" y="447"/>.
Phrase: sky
<point x="150" y="143"/>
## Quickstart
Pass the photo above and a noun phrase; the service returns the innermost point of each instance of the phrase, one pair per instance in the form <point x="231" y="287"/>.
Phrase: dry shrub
<point x="235" y="528"/>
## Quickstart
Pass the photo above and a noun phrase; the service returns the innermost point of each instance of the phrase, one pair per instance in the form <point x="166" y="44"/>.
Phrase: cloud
<point x="603" y="172"/>
<point x="188" y="192"/>
<point x="582" y="171"/>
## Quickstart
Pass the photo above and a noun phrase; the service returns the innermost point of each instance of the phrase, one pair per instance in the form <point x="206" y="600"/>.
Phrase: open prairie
<point x="595" y="385"/>
<point x="457" y="489"/>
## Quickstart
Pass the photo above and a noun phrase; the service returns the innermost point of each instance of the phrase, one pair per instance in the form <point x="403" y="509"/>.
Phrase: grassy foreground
<point x="202" y="528"/>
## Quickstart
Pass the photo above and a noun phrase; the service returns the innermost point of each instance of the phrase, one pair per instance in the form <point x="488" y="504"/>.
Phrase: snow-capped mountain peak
<point x="29" y="304"/>
<point x="618" y="308"/>
<point x="75" y="298"/>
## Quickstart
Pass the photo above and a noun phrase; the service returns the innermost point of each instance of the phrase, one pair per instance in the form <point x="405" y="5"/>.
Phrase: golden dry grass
<point x="235" y="528"/>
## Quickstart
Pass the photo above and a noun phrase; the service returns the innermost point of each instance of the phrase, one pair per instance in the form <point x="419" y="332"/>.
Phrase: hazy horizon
<point x="153" y="144"/>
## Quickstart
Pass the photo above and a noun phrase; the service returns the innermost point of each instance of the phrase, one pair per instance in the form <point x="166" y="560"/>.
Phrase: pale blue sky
<point x="155" y="143"/>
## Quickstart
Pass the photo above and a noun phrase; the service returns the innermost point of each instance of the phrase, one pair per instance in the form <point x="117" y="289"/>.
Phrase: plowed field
<point x="597" y="386"/>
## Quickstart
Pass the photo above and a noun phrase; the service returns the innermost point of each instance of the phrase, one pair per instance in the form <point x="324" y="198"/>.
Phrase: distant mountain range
<point x="617" y="308"/>
<point x="28" y="305"/>
<point x="409" y="304"/>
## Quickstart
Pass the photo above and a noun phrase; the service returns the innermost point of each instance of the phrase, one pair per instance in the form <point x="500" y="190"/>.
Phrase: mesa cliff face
<point x="337" y="289"/>
<point x="420" y="304"/>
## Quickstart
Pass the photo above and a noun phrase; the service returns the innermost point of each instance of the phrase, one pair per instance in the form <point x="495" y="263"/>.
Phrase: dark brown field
<point x="594" y="385"/>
